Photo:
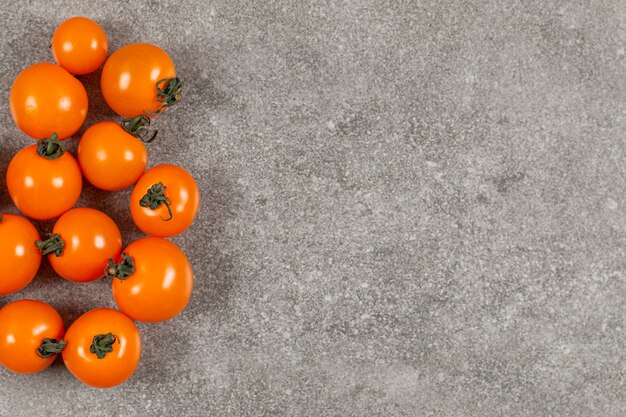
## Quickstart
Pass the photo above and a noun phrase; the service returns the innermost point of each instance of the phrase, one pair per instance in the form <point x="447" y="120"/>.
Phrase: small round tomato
<point x="111" y="157"/>
<point x="164" y="201"/>
<point x="81" y="244"/>
<point x="43" y="180"/>
<point x="103" y="348"/>
<point x="140" y="78"/>
<point x="46" y="99"/>
<point x="30" y="336"/>
<point x="153" y="280"/>
<point x="20" y="257"/>
<point x="79" y="45"/>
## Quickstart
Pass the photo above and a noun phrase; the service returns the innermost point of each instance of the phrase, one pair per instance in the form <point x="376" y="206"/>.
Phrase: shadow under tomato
<point x="114" y="204"/>
<point x="99" y="110"/>
<point x="209" y="250"/>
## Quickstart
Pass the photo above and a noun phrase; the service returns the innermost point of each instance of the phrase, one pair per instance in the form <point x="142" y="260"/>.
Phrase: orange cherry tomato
<point x="110" y="157"/>
<point x="140" y="78"/>
<point x="81" y="243"/>
<point x="164" y="201"/>
<point x="103" y="348"/>
<point x="30" y="336"/>
<point x="153" y="280"/>
<point x="19" y="255"/>
<point x="79" y="45"/>
<point x="46" y="99"/>
<point x="43" y="180"/>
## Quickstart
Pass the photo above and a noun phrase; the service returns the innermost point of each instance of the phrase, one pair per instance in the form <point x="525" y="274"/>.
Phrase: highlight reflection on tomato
<point x="30" y="336"/>
<point x="43" y="180"/>
<point x="46" y="99"/>
<point x="81" y="243"/>
<point x="103" y="348"/>
<point x="153" y="280"/>
<point x="19" y="255"/>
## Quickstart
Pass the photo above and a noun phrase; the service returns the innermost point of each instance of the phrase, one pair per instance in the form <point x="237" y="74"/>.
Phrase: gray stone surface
<point x="409" y="208"/>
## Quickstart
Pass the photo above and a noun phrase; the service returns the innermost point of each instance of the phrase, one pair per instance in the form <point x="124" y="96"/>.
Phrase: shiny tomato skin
<point x="111" y="158"/>
<point x="181" y="190"/>
<point x="161" y="285"/>
<point x="90" y="239"/>
<point x="42" y="188"/>
<point x="46" y="99"/>
<point x="129" y="78"/>
<point x="23" y="326"/>
<point x="116" y="366"/>
<point x="79" y="45"/>
<point x="19" y="255"/>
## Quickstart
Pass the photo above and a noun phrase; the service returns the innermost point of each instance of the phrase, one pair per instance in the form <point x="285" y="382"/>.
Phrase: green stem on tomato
<point x="54" y="244"/>
<point x="50" y="347"/>
<point x="102" y="344"/>
<point x="154" y="197"/>
<point x="138" y="126"/>
<point x="121" y="270"/>
<point x="51" y="148"/>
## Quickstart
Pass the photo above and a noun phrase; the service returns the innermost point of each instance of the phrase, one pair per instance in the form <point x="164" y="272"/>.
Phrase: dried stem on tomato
<point x="102" y="344"/>
<point x="139" y="127"/>
<point x="155" y="197"/>
<point x="51" y="148"/>
<point x="121" y="270"/>
<point x="50" y="347"/>
<point x="54" y="244"/>
<point x="169" y="92"/>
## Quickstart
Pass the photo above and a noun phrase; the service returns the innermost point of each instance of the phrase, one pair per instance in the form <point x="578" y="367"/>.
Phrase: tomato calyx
<point x="54" y="244"/>
<point x="154" y="197"/>
<point x="121" y="270"/>
<point x="50" y="347"/>
<point x="103" y="344"/>
<point x="169" y="92"/>
<point x="51" y="148"/>
<point x="138" y="127"/>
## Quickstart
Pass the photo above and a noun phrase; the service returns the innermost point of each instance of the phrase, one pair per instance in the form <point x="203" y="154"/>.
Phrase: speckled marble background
<point x="410" y="208"/>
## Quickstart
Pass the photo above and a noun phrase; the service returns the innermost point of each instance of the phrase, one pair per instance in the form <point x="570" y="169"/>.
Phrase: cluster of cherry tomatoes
<point x="151" y="278"/>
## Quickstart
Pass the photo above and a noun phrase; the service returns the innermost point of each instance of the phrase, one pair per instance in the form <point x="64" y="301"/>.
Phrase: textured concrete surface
<point x="409" y="208"/>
